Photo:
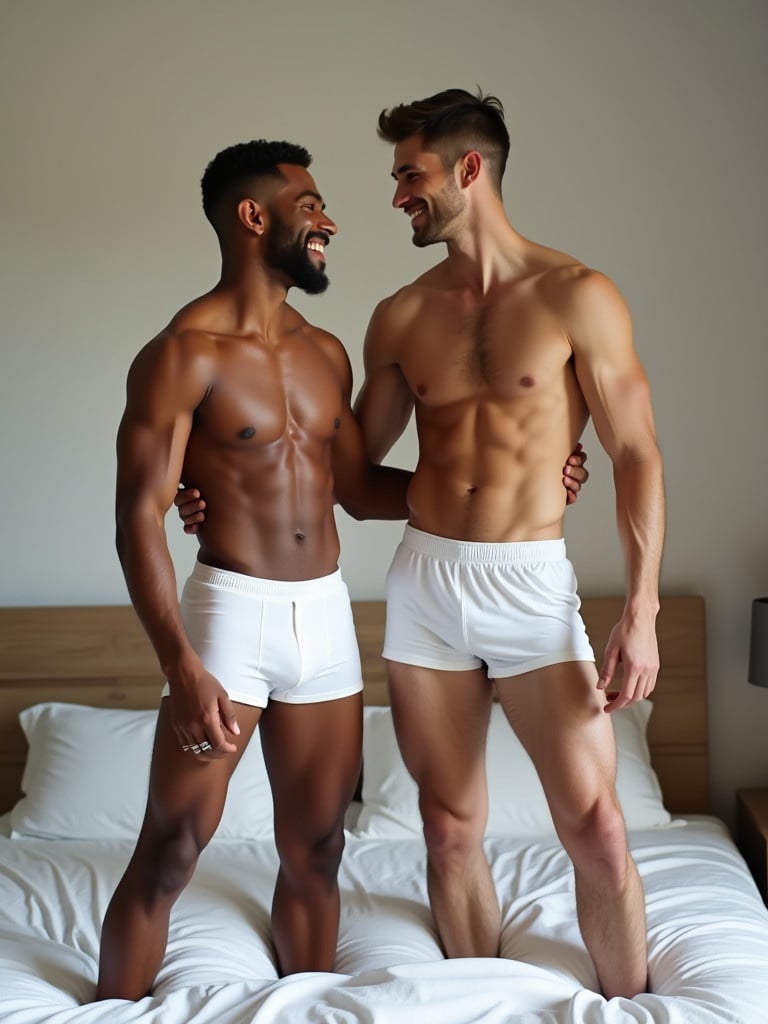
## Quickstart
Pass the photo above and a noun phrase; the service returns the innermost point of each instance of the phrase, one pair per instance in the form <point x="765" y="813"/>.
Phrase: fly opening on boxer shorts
<point x="292" y="641"/>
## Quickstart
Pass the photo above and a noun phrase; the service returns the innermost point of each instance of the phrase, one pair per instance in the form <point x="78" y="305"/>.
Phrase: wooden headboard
<point x="100" y="656"/>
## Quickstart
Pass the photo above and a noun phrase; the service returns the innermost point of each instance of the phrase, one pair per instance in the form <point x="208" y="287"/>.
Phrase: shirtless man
<point x="504" y="349"/>
<point x="241" y="397"/>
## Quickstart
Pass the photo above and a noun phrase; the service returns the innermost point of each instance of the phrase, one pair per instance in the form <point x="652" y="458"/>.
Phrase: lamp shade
<point x="758" y="643"/>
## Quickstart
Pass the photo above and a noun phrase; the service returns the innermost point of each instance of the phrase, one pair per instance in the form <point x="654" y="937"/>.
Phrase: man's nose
<point x="400" y="198"/>
<point x="327" y="225"/>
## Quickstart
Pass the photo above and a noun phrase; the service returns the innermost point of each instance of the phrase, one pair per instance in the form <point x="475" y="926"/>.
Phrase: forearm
<point x="641" y="521"/>
<point x="151" y="579"/>
<point x="383" y="494"/>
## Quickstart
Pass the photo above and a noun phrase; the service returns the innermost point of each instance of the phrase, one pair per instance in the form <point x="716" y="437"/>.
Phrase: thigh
<point x="558" y="714"/>
<point x="313" y="754"/>
<point x="441" y="721"/>
<point x="184" y="791"/>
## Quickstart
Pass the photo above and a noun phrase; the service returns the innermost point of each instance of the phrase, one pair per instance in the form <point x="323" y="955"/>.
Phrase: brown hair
<point x="453" y="122"/>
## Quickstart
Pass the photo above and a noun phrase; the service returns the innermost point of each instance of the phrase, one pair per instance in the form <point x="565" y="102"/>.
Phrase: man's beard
<point x="290" y="255"/>
<point x="442" y="218"/>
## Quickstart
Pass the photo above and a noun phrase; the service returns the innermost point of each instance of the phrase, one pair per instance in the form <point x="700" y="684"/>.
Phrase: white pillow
<point x="517" y="805"/>
<point x="87" y="772"/>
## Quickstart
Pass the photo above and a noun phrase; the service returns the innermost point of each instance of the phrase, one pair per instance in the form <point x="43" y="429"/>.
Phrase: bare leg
<point x="441" y="719"/>
<point x="186" y="798"/>
<point x="313" y="754"/>
<point x="558" y="715"/>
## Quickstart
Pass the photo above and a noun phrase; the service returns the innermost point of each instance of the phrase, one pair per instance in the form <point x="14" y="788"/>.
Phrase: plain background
<point x="638" y="144"/>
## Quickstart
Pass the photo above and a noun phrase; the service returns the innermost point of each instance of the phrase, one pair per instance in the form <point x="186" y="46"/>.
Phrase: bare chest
<point x="506" y="349"/>
<point x="260" y="395"/>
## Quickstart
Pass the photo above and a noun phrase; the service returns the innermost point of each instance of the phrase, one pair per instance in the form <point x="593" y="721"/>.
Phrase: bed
<point x="78" y="687"/>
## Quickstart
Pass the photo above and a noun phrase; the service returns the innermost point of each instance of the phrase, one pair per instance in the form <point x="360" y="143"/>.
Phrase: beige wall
<point x="639" y="145"/>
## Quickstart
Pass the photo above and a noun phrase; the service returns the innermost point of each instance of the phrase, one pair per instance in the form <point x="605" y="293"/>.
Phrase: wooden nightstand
<point x="752" y="833"/>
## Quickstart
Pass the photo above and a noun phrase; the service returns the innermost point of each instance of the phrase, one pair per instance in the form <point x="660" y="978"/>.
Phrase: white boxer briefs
<point x="290" y="641"/>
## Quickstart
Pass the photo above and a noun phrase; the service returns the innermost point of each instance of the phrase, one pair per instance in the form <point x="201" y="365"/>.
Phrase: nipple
<point x="247" y="433"/>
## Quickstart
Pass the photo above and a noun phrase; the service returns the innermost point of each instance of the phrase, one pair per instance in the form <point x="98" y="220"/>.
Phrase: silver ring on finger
<point x="195" y="748"/>
<point x="205" y="745"/>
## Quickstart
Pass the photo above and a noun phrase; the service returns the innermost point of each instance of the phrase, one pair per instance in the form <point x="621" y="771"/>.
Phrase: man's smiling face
<point x="300" y="231"/>
<point x="426" y="192"/>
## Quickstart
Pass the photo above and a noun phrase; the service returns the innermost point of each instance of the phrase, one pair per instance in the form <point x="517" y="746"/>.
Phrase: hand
<point x="633" y="644"/>
<point x="574" y="474"/>
<point x="202" y="714"/>
<point x="191" y="508"/>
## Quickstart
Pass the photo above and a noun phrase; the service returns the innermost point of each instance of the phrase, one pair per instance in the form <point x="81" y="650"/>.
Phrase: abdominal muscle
<point x="264" y="520"/>
<point x="489" y="477"/>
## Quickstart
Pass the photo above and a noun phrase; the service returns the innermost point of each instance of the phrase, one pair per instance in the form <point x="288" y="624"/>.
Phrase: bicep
<point x="150" y="456"/>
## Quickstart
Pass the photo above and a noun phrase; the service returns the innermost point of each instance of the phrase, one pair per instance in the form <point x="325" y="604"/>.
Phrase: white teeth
<point x="316" y="246"/>
<point x="416" y="212"/>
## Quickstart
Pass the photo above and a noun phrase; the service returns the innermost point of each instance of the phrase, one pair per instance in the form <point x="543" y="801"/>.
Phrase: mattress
<point x="707" y="933"/>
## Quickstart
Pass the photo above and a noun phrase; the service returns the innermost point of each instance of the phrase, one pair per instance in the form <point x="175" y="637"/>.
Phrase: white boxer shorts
<point x="456" y="605"/>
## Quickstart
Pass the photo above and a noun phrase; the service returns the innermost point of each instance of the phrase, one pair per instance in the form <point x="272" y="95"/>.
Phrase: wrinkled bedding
<point x="707" y="927"/>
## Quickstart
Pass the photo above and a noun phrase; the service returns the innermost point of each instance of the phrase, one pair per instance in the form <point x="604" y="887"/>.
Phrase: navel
<point x="247" y="433"/>
<point x="421" y="390"/>
<point x="336" y="423"/>
<point x="300" y="536"/>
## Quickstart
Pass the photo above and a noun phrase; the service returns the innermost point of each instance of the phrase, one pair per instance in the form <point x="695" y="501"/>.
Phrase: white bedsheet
<point x="708" y="940"/>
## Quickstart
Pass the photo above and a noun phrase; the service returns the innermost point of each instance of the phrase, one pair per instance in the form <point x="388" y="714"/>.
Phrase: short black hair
<point x="453" y="121"/>
<point x="236" y="164"/>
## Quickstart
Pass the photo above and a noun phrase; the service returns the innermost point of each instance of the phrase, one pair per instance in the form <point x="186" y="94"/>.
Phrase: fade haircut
<point x="451" y="123"/>
<point x="233" y="167"/>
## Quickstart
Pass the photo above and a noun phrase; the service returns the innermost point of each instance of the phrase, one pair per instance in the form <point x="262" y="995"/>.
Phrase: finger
<point x="219" y="742"/>
<point x="608" y="668"/>
<point x="185" y="495"/>
<point x="577" y="473"/>
<point x="192" y="529"/>
<point x="191" y="508"/>
<point x="191" y="515"/>
<point x="228" y="716"/>
<point x="577" y="457"/>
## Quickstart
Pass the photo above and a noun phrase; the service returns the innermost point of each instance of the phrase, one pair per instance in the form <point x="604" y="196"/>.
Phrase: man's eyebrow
<point x="312" y="195"/>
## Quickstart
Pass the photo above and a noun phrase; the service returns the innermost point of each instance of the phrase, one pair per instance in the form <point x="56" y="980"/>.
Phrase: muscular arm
<point x="363" y="489"/>
<point x="617" y="394"/>
<point x="164" y="386"/>
<point x="385" y="402"/>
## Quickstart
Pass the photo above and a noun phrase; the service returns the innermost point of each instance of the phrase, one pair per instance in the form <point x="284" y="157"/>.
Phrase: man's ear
<point x="251" y="214"/>
<point x="469" y="167"/>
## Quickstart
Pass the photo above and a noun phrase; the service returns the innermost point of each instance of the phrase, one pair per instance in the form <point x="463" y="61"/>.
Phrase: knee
<point x="312" y="853"/>
<point x="450" y="837"/>
<point x="596" y="840"/>
<point x="169" y="861"/>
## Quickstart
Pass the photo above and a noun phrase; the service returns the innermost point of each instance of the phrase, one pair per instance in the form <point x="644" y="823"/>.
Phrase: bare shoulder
<point x="331" y="347"/>
<point x="180" y="359"/>
<point x="588" y="302"/>
<point x="394" y="315"/>
<point x="572" y="284"/>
